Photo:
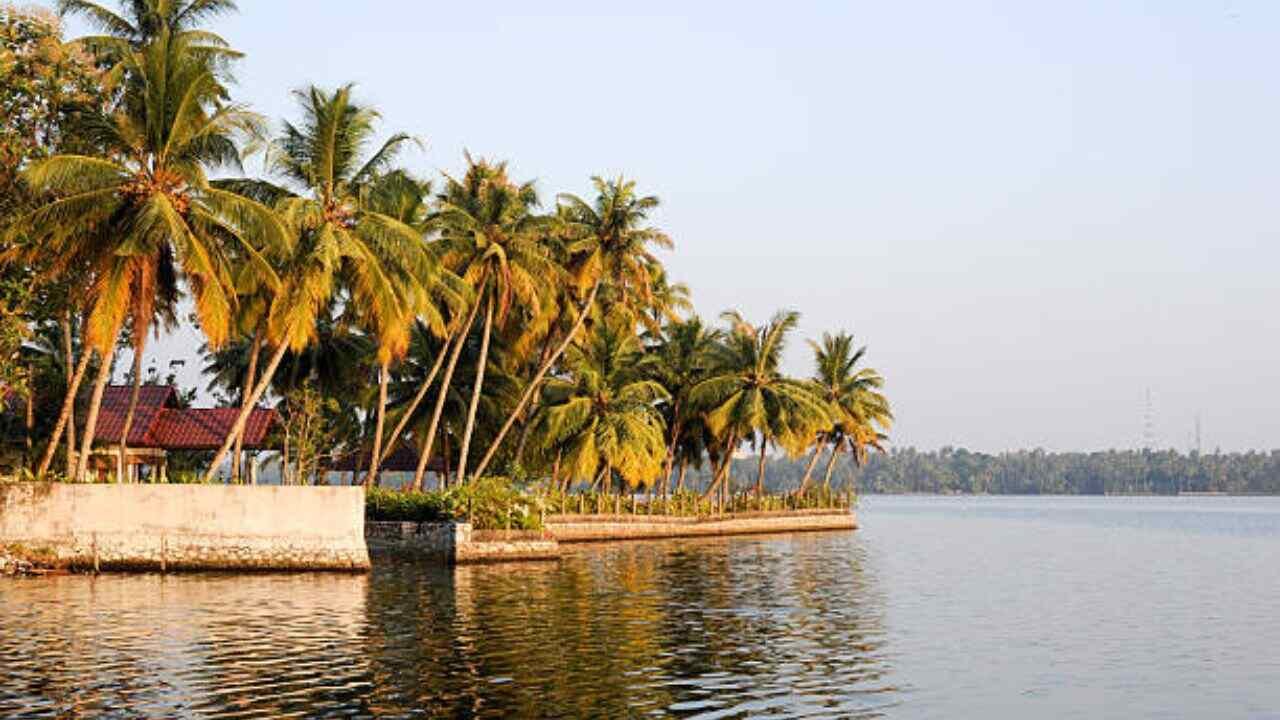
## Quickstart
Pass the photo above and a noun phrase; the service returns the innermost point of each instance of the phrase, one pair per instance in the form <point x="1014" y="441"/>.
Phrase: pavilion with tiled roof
<point x="160" y="426"/>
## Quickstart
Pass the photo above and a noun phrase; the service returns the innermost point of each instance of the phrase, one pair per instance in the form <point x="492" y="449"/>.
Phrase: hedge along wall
<point x="184" y="527"/>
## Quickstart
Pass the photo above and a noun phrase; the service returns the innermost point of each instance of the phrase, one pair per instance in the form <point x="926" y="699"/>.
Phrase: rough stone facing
<point x="597" y="528"/>
<point x="454" y="543"/>
<point x="184" y="527"/>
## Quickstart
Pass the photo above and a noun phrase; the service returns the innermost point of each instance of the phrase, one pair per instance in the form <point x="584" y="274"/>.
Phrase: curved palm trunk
<point x="668" y="464"/>
<point x="808" y="470"/>
<point x="537" y="380"/>
<point x="237" y="455"/>
<point x="68" y="357"/>
<point x="375" y="456"/>
<point x="764" y="446"/>
<point x="461" y="340"/>
<point x="475" y="390"/>
<point x="684" y="465"/>
<point x="831" y="465"/>
<point x="66" y="420"/>
<point x="28" y="454"/>
<point x="122" y="459"/>
<point x="389" y="443"/>
<point x="722" y="471"/>
<point x="243" y="418"/>
<point x="91" y="421"/>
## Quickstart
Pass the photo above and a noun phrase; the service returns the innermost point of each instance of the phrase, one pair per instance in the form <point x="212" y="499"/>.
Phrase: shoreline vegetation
<point x="523" y="350"/>
<point x="957" y="471"/>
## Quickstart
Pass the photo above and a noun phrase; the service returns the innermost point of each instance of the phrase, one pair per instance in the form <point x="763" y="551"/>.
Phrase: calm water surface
<point x="939" y="607"/>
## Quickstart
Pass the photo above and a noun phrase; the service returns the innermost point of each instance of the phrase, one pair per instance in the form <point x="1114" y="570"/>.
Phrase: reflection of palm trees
<point x="610" y="631"/>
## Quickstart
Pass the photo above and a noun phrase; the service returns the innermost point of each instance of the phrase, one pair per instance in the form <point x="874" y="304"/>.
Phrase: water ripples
<point x="783" y="626"/>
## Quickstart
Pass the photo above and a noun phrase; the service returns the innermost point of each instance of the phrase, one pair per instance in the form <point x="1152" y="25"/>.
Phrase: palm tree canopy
<point x="748" y="392"/>
<point x="493" y="238"/>
<point x="859" y="411"/>
<point x="605" y="412"/>
<point x="613" y="245"/>
<point x="350" y="225"/>
<point x="145" y="207"/>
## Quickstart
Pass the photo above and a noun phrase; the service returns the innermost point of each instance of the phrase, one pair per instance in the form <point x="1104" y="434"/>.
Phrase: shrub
<point x="491" y="503"/>
<point x="392" y="505"/>
<point x="496" y="503"/>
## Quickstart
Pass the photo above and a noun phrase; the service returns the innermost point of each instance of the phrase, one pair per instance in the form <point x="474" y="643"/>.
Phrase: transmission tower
<point x="1149" y="424"/>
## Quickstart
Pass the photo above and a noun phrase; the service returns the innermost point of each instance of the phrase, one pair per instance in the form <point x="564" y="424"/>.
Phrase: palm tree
<point x="604" y="416"/>
<point x="492" y="239"/>
<point x="340" y="241"/>
<point x="684" y="355"/>
<point x="145" y="206"/>
<point x="610" y="246"/>
<point x="857" y="408"/>
<point x="142" y="22"/>
<point x="402" y="197"/>
<point x="749" y="396"/>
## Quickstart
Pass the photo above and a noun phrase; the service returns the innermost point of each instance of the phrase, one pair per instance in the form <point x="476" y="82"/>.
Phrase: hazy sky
<point x="1030" y="211"/>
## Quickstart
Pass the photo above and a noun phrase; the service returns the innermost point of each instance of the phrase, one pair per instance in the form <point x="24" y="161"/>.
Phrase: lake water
<point x="937" y="608"/>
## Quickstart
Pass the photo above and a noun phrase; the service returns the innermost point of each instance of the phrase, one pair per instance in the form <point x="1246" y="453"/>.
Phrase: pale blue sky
<point x="1030" y="211"/>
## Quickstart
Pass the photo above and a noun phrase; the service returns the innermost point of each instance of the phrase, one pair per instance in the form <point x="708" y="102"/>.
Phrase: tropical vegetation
<point x="484" y="325"/>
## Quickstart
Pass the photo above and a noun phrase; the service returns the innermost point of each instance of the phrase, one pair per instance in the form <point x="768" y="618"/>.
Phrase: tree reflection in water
<point x="714" y="628"/>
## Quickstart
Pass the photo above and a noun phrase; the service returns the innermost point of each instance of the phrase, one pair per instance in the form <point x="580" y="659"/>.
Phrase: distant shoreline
<point x="1070" y="495"/>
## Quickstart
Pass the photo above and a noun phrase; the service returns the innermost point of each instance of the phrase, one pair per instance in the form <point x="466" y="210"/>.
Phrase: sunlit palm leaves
<point x="603" y="417"/>
<point x="859" y="411"/>
<point x="748" y="394"/>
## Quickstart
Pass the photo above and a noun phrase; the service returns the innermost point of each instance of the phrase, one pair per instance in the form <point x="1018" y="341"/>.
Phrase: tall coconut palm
<point x="494" y="240"/>
<point x="146" y="204"/>
<point x="140" y="22"/>
<point x="382" y="266"/>
<point x="604" y="415"/>
<point x="749" y="396"/>
<point x="684" y="355"/>
<point x="612" y="245"/>
<point x="406" y="199"/>
<point x="857" y="408"/>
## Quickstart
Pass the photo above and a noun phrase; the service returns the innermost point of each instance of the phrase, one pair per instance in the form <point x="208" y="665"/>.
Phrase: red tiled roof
<point x="159" y="423"/>
<point x="149" y="396"/>
<point x="206" y="428"/>
<point x="115" y="405"/>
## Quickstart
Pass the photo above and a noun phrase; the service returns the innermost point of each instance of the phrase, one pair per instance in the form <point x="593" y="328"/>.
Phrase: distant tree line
<point x="1039" y="472"/>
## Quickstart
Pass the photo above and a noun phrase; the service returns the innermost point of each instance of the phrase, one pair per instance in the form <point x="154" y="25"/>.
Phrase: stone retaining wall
<point x="184" y="527"/>
<point x="455" y="542"/>
<point x="596" y="528"/>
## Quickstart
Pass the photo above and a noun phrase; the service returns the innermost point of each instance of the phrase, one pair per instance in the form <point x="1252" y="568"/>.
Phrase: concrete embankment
<point x="184" y="527"/>
<point x="458" y="543"/>
<point x="601" y="528"/>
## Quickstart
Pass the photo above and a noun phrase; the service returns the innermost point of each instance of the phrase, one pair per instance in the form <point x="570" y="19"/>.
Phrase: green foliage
<point x="690" y="504"/>
<point x="381" y="504"/>
<point x="495" y="503"/>
<point x="605" y="415"/>
<point x="311" y="424"/>
<point x="1036" y="472"/>
<point x="42" y="83"/>
<point x="490" y="503"/>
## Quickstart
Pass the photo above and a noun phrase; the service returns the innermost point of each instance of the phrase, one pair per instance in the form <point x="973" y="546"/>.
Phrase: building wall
<point x="185" y="527"/>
